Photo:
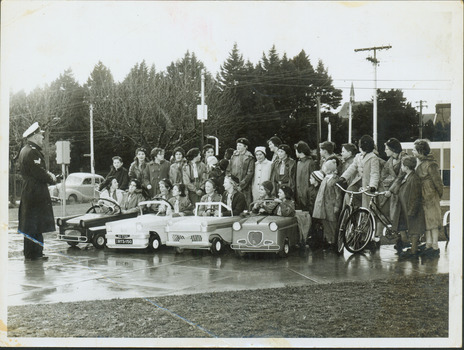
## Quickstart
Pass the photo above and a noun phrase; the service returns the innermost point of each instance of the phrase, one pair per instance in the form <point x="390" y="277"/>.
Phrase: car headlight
<point x="236" y="226"/>
<point x="109" y="228"/>
<point x="139" y="226"/>
<point x="273" y="226"/>
<point x="82" y="223"/>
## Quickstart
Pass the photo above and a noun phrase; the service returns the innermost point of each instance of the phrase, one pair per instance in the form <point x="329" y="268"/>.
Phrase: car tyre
<point x="99" y="240"/>
<point x="217" y="245"/>
<point x="154" y="243"/>
<point x="285" y="249"/>
<point x="72" y="199"/>
<point x="73" y="244"/>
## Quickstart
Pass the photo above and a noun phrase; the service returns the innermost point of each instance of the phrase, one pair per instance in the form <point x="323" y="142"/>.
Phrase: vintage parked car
<point x="144" y="231"/>
<point x="78" y="188"/>
<point x="268" y="233"/>
<point x="90" y="227"/>
<point x="212" y="232"/>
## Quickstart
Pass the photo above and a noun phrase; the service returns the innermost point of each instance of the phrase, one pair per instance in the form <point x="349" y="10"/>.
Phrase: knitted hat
<point x="318" y="175"/>
<point x="394" y="145"/>
<point x="212" y="160"/>
<point x="260" y="149"/>
<point x="268" y="186"/>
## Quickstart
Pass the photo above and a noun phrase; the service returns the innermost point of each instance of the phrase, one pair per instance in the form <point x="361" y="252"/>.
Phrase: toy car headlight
<point x="82" y="223"/>
<point x="273" y="226"/>
<point x="109" y="228"/>
<point x="139" y="226"/>
<point x="236" y="226"/>
<point x="59" y="222"/>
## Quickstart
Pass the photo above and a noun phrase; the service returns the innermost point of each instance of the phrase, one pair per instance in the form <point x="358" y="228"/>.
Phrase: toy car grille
<point x="177" y="238"/>
<point x="255" y="237"/>
<point x="74" y="233"/>
<point x="196" y="238"/>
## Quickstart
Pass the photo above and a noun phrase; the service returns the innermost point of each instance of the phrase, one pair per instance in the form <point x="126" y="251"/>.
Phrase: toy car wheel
<point x="179" y="250"/>
<point x="285" y="249"/>
<point x="99" y="240"/>
<point x="154" y="243"/>
<point x="73" y="244"/>
<point x="217" y="245"/>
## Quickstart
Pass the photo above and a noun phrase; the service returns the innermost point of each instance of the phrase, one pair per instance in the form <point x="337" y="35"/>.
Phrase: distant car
<point x="90" y="227"/>
<point x="202" y="232"/>
<point x="145" y="231"/>
<point x="78" y="188"/>
<point x="265" y="233"/>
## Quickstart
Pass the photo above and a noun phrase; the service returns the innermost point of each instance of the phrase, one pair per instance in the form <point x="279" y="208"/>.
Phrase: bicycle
<point x="361" y="225"/>
<point x="342" y="218"/>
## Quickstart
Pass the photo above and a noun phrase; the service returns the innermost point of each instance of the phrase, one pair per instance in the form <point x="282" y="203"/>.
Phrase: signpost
<point x="63" y="157"/>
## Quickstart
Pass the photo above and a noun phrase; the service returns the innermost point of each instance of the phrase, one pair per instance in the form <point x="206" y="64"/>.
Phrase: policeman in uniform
<point x="35" y="209"/>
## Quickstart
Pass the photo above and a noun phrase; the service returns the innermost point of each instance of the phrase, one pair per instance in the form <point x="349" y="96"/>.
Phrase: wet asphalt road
<point x="85" y="273"/>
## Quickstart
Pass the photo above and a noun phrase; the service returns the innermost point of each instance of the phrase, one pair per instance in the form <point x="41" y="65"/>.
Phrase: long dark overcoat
<point x="35" y="210"/>
<point x="410" y="198"/>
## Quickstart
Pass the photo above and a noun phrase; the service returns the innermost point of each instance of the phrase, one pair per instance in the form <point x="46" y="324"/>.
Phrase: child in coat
<point x="315" y="235"/>
<point x="411" y="218"/>
<point x="285" y="199"/>
<point x="329" y="200"/>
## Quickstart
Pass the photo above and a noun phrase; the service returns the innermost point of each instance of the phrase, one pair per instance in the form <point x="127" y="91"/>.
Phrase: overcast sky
<point x="42" y="39"/>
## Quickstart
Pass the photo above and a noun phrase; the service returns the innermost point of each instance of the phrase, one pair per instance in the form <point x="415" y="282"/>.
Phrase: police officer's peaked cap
<point x="33" y="129"/>
<point x="244" y="141"/>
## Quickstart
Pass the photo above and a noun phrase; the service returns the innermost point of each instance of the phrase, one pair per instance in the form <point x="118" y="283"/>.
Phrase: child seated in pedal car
<point x="265" y="204"/>
<point x="329" y="200"/>
<point x="286" y="206"/>
<point x="411" y="219"/>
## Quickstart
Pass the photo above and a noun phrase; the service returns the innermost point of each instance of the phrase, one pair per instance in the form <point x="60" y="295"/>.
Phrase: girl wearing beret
<point x="265" y="204"/>
<point x="286" y="206"/>
<point x="304" y="167"/>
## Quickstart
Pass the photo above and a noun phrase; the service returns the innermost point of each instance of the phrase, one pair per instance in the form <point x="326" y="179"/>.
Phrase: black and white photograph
<point x="231" y="174"/>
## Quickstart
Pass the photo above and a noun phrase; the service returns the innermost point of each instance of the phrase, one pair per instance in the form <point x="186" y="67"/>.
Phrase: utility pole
<point x="202" y="109"/>
<point x="375" y="62"/>
<point x="92" y="159"/>
<point x="421" y="117"/>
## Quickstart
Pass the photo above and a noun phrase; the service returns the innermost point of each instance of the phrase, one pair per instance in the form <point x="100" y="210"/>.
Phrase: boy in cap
<point x="263" y="169"/>
<point x="35" y="209"/>
<point x="242" y="166"/>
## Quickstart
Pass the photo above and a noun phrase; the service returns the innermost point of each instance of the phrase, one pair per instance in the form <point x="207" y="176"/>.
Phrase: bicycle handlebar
<point x="350" y="192"/>
<point x="375" y="194"/>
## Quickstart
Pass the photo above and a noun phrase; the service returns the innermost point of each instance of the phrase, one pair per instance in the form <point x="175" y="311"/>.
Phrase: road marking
<point x="309" y="278"/>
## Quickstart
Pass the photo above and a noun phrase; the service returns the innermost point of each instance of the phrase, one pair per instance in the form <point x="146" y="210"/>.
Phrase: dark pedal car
<point x="269" y="233"/>
<point x="90" y="227"/>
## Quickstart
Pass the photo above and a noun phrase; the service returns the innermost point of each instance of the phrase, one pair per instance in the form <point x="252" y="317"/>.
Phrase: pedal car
<point x="90" y="227"/>
<point x="144" y="231"/>
<point x="269" y="233"/>
<point x="212" y="232"/>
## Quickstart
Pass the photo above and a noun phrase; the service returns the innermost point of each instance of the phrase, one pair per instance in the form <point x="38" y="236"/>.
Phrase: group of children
<point x="412" y="183"/>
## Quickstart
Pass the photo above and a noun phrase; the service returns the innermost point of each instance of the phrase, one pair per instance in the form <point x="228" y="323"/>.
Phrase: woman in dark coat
<point x="432" y="190"/>
<point x="35" y="210"/>
<point x="283" y="169"/>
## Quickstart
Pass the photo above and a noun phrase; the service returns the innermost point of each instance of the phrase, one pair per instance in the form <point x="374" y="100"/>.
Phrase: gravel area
<point x="398" y="307"/>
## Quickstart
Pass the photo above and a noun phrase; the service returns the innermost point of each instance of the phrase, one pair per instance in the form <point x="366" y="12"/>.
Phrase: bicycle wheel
<point x="359" y="229"/>
<point x="340" y="232"/>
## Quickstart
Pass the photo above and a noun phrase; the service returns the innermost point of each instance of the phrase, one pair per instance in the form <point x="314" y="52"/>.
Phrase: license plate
<point x="123" y="241"/>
